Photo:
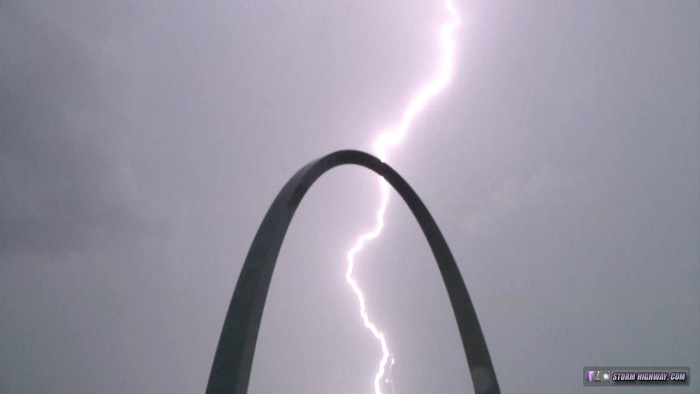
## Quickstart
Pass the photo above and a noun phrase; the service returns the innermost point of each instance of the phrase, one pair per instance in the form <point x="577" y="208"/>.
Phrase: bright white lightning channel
<point x="389" y="139"/>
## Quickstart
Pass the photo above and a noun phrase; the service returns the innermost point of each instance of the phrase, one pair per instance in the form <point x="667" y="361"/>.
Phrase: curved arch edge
<point x="233" y="359"/>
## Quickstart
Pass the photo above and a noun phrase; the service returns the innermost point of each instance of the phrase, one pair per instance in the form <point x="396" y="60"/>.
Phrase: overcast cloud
<point x="142" y="142"/>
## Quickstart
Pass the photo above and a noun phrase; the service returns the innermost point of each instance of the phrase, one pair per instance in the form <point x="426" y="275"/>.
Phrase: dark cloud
<point x="63" y="186"/>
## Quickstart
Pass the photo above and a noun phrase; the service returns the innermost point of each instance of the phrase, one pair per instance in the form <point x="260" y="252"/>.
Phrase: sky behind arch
<point x="142" y="143"/>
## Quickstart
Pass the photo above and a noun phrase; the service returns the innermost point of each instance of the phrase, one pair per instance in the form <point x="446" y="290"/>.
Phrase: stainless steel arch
<point x="233" y="360"/>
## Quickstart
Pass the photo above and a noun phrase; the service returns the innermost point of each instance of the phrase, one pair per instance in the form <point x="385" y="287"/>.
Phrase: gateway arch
<point x="233" y="360"/>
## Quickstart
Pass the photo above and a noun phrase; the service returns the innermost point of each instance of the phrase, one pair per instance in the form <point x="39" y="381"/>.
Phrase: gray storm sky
<point x="142" y="142"/>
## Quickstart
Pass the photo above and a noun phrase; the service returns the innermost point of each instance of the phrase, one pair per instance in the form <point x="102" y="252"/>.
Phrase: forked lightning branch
<point x="389" y="139"/>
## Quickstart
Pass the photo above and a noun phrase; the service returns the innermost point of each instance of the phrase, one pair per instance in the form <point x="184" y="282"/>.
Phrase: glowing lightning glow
<point x="389" y="139"/>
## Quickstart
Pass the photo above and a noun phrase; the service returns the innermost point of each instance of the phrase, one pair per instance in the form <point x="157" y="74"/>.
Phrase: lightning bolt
<point x="389" y="139"/>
